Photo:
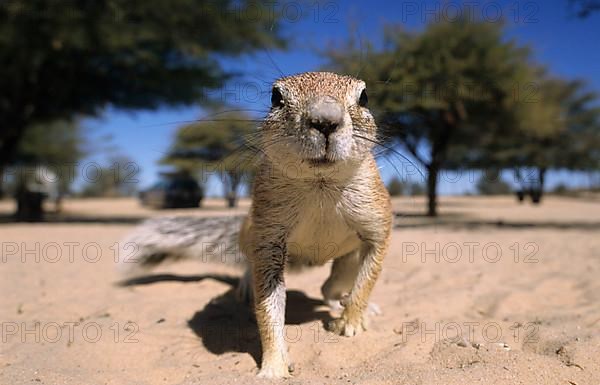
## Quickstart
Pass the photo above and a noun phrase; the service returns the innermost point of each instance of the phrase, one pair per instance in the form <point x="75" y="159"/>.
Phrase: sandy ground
<point x="492" y="292"/>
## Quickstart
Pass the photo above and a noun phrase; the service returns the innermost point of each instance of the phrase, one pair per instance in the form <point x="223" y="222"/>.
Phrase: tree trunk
<point x="439" y="147"/>
<point x="231" y="201"/>
<point x="29" y="206"/>
<point x="11" y="132"/>
<point x="432" y="180"/>
<point x="2" y="192"/>
<point x="231" y="195"/>
<point x="538" y="192"/>
<point x="523" y="189"/>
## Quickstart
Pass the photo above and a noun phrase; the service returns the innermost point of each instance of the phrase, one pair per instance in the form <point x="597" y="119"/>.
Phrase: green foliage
<point x="58" y="142"/>
<point x="491" y="183"/>
<point x="112" y="180"/>
<point x="468" y="97"/>
<point x="223" y="145"/>
<point x="222" y="141"/>
<point x="57" y="145"/>
<point x="561" y="189"/>
<point x="61" y="58"/>
<point x="560" y="130"/>
<point x="416" y="189"/>
<point x="395" y="187"/>
<point x="448" y="89"/>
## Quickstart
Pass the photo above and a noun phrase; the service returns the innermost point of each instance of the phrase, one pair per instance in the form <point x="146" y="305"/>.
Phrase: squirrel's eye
<point x="363" y="100"/>
<point x="276" y="98"/>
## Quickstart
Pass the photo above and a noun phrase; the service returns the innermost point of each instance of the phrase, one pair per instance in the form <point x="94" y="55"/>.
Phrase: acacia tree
<point x="115" y="179"/>
<point x="62" y="59"/>
<point x="559" y="130"/>
<point x="441" y="91"/>
<point x="46" y="158"/>
<point x="222" y="145"/>
<point x="57" y="144"/>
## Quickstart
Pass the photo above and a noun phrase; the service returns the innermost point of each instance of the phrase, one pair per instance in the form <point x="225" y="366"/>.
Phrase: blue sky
<point x="567" y="45"/>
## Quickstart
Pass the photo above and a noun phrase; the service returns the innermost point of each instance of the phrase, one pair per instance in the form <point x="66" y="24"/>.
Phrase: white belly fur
<point x="321" y="233"/>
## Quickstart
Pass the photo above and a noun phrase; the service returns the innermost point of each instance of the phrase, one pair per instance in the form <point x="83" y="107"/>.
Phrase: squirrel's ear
<point x="276" y="98"/>
<point x="363" y="100"/>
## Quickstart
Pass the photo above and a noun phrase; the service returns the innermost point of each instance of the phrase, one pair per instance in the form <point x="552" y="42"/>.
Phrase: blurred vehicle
<point x="175" y="192"/>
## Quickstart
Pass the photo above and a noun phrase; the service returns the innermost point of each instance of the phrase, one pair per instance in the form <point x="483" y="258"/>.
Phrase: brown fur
<point x="307" y="212"/>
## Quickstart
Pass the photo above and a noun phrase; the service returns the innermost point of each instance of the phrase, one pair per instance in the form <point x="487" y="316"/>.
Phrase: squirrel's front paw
<point x="275" y="368"/>
<point x="372" y="308"/>
<point x="348" y="327"/>
<point x="272" y="372"/>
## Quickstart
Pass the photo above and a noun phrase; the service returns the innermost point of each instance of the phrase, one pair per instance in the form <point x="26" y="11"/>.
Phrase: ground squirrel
<point x="317" y="196"/>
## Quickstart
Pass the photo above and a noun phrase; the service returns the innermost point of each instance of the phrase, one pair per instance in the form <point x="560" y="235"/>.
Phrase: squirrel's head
<point x="318" y="121"/>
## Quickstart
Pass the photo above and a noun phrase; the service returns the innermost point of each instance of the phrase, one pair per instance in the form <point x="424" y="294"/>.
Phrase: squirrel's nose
<point x="325" y="114"/>
<point x="325" y="128"/>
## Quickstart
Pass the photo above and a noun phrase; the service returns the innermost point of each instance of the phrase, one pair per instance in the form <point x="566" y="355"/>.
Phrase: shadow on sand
<point x="463" y="221"/>
<point x="226" y="325"/>
<point x="51" y="218"/>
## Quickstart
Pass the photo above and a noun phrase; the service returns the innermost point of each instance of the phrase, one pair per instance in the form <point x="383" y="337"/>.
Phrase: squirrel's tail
<point x="161" y="239"/>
